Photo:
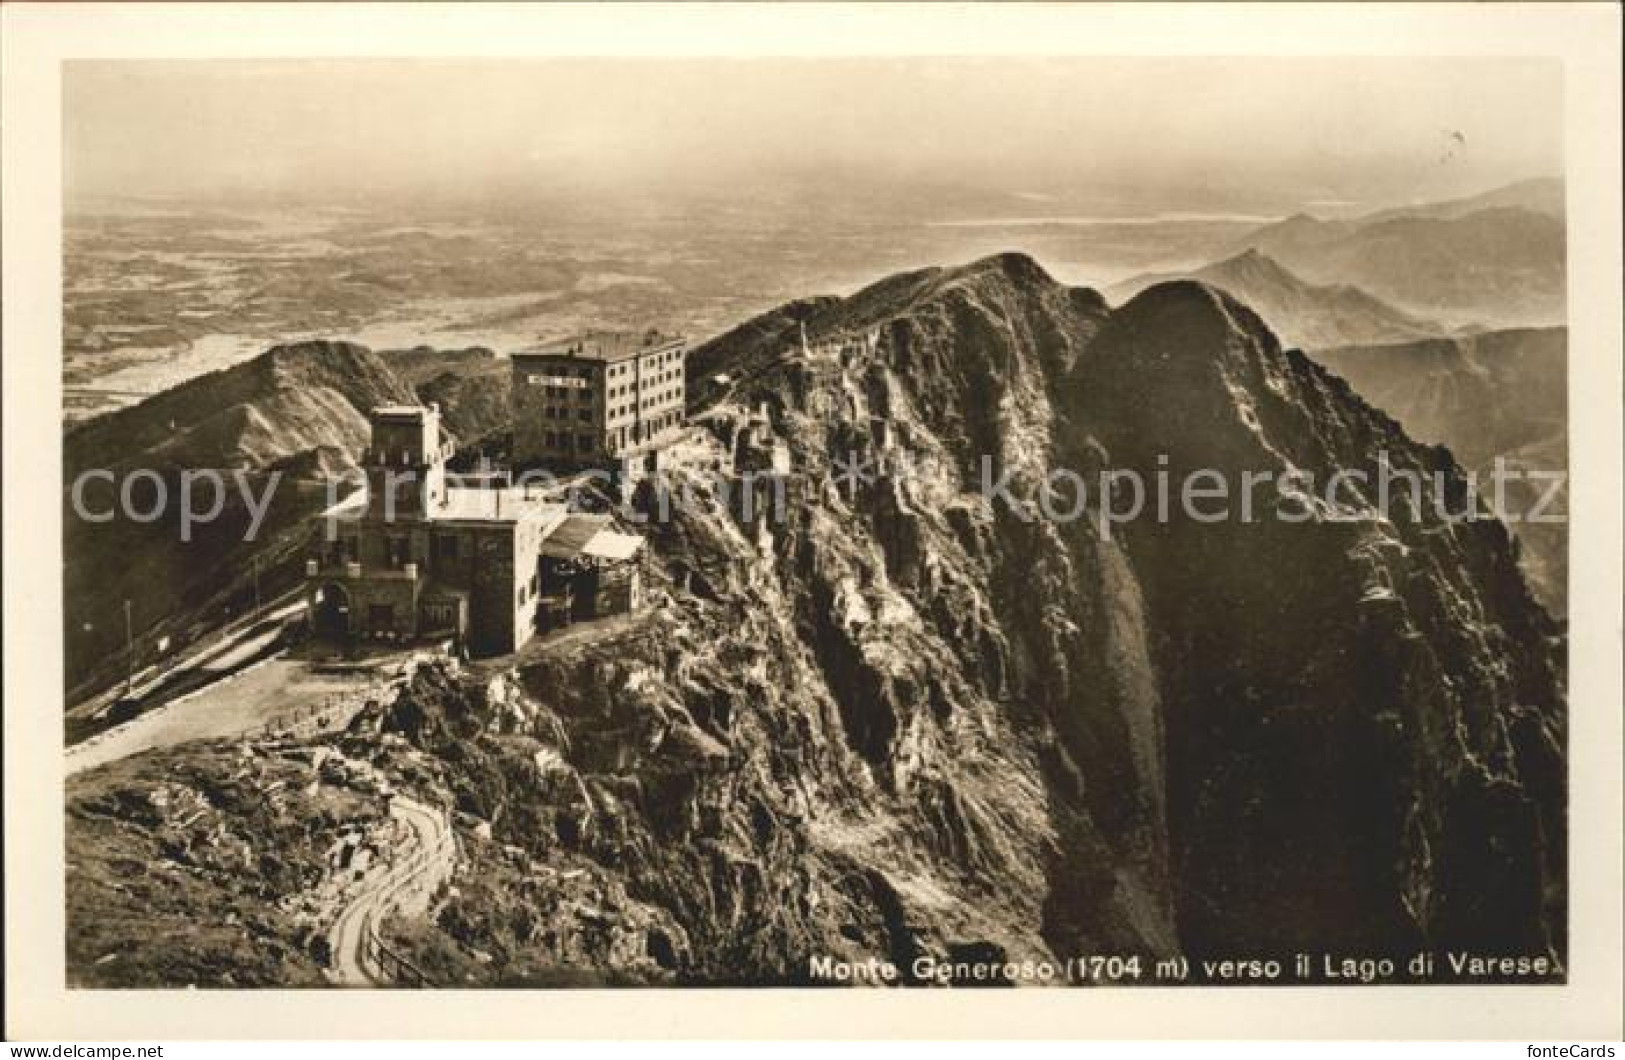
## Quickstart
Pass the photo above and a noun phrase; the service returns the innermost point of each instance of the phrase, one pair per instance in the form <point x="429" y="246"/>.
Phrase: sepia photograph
<point x="748" y="520"/>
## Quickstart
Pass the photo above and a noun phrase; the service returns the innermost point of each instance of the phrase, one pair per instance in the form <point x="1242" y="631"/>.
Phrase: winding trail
<point x="404" y="885"/>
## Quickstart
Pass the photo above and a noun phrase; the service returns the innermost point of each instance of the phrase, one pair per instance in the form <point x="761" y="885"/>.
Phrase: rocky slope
<point x="194" y="868"/>
<point x="470" y="386"/>
<point x="1301" y="314"/>
<point x="825" y="740"/>
<point x="905" y="715"/>
<point x="289" y="400"/>
<point x="902" y="720"/>
<point x="1495" y="395"/>
<point x="1365" y="751"/>
<point x="1481" y="394"/>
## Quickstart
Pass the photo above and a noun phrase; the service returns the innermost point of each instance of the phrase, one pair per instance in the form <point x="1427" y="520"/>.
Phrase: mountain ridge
<point x="1381" y="584"/>
<point x="1307" y="314"/>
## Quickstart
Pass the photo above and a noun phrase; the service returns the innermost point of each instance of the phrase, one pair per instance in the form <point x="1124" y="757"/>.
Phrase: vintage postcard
<point x="609" y="526"/>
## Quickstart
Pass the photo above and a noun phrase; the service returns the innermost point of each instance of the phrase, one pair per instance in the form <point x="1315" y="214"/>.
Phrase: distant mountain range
<point x="1543" y="195"/>
<point x="1496" y="259"/>
<point x="1489" y="261"/>
<point x="1302" y="314"/>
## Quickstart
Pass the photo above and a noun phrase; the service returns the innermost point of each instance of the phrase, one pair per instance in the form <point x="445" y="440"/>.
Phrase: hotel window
<point x="584" y="442"/>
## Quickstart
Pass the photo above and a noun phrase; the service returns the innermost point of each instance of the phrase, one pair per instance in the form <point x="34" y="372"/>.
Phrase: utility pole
<point x="129" y="650"/>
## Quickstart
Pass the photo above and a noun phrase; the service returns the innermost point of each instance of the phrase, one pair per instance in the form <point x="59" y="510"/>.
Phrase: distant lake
<point x="1144" y="219"/>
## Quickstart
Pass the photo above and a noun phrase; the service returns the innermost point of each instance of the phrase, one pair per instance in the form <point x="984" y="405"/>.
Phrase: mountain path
<point x="403" y="885"/>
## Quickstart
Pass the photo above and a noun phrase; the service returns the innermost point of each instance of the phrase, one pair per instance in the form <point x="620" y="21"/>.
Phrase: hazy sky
<point x="1107" y="134"/>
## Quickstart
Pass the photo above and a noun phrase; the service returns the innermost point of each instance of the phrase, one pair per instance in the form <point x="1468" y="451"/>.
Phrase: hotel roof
<point x="607" y="346"/>
<point x="496" y="506"/>
<point x="476" y="504"/>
